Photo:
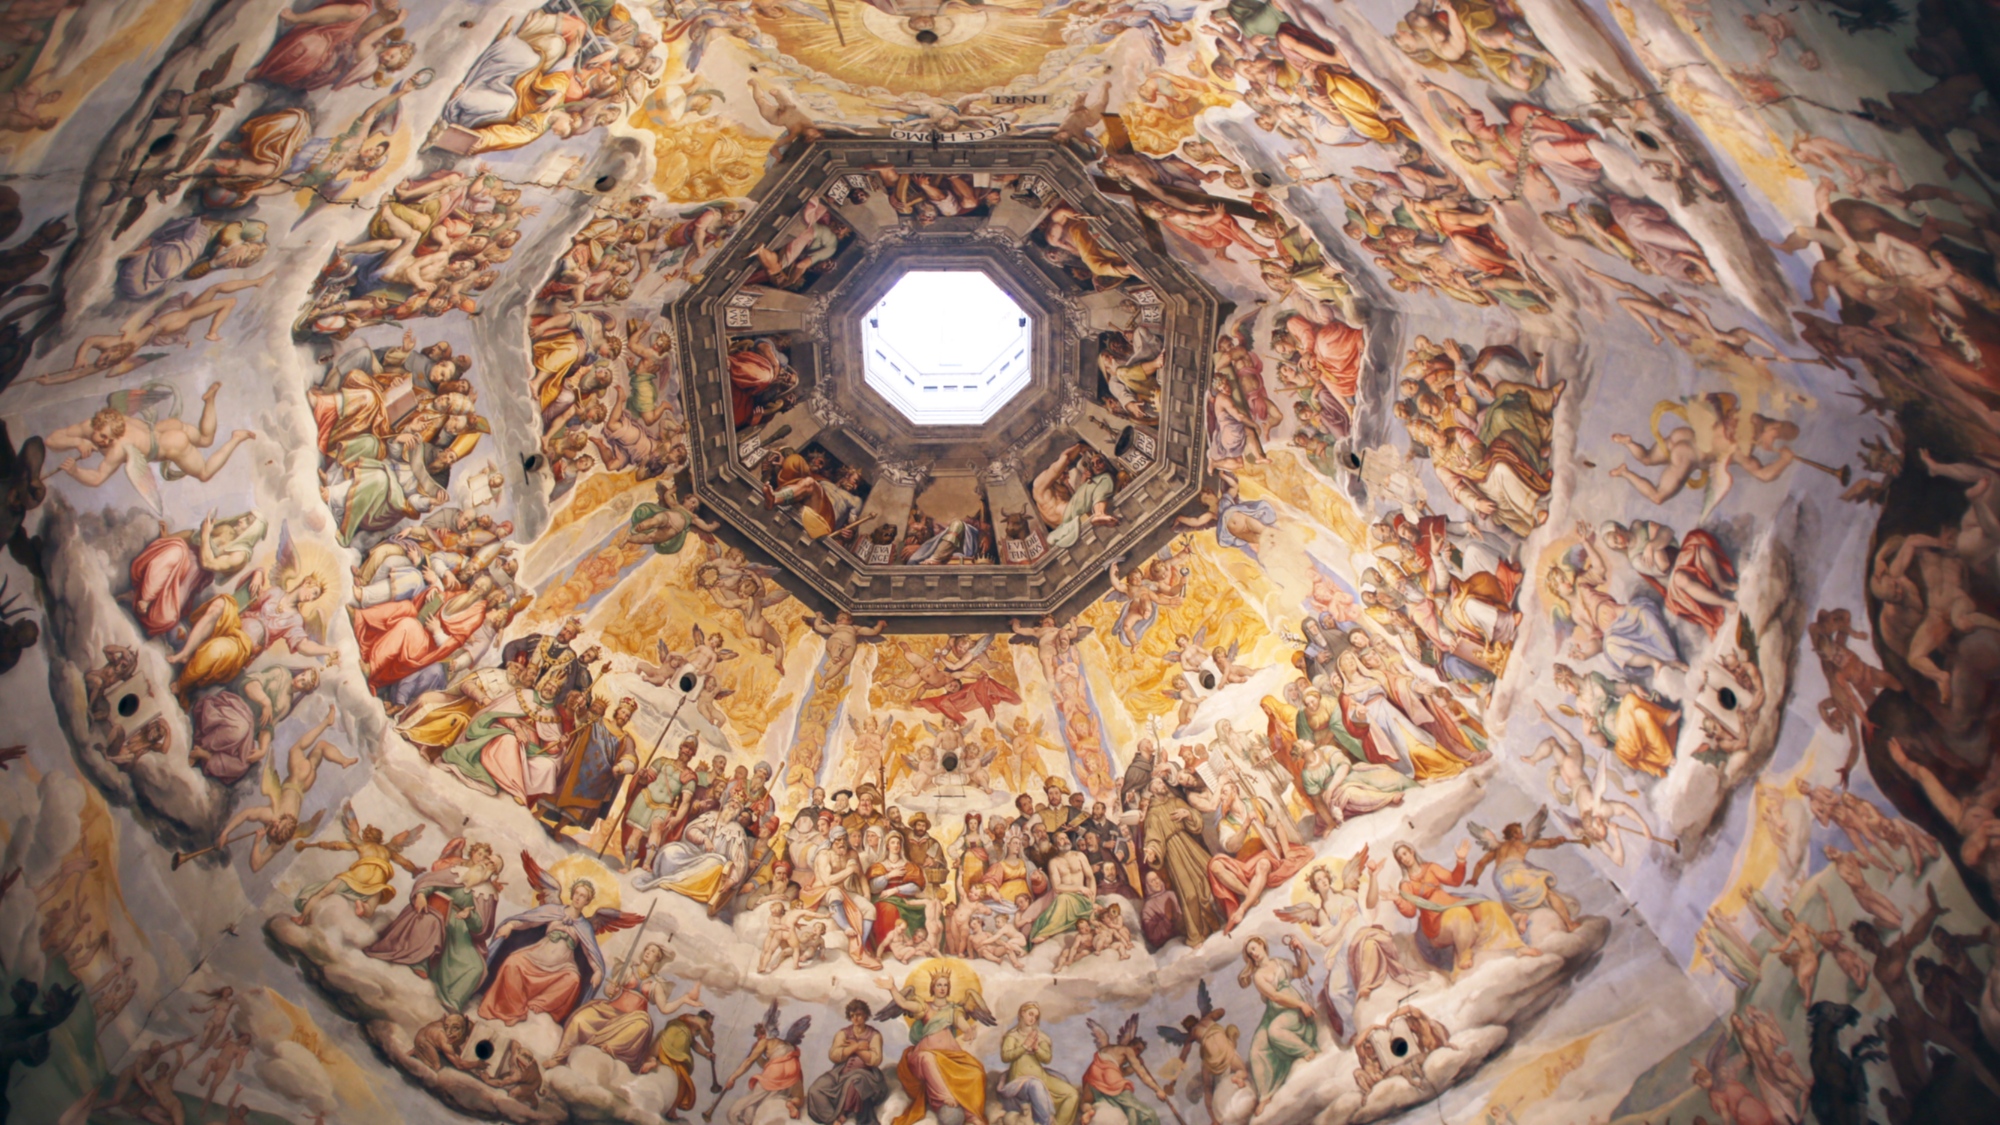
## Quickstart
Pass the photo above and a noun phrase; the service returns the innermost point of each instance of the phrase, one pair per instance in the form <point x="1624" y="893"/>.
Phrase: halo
<point x="1334" y="865"/>
<point x="964" y="979"/>
<point x="568" y="870"/>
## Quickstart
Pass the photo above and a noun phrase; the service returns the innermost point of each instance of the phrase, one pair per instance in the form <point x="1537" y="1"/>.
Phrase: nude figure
<point x="278" y="822"/>
<point x="1973" y="815"/>
<point x="123" y="439"/>
<point x="1948" y="608"/>
<point x="843" y="639"/>
<point x="166" y="322"/>
<point x="1853" y="870"/>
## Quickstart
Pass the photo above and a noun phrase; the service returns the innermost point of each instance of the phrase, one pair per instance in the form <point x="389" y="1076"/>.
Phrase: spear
<point x="835" y="13"/>
<point x="618" y="824"/>
<point x="633" y="952"/>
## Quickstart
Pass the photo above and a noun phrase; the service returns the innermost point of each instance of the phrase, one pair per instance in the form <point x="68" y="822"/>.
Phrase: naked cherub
<point x="131" y="442"/>
<point x="843" y="639"/>
<point x="278" y="821"/>
<point x="1599" y="820"/>
<point x="1711" y="443"/>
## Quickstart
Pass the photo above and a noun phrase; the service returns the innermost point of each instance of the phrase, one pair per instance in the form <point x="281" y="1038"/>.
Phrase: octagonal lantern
<point x="944" y="386"/>
<point x="946" y="347"/>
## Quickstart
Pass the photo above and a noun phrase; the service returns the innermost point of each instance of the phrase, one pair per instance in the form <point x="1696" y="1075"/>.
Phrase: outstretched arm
<point x="1943" y="799"/>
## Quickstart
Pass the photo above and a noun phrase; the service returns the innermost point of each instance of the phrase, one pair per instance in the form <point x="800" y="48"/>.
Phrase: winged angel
<point x="951" y="680"/>
<point x="1221" y="1058"/>
<point x="141" y="427"/>
<point x="701" y="661"/>
<point x="368" y="880"/>
<point x="547" y="959"/>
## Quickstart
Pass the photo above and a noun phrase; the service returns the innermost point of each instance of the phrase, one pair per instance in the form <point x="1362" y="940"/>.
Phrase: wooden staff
<point x="618" y="824"/>
<point x="835" y="14"/>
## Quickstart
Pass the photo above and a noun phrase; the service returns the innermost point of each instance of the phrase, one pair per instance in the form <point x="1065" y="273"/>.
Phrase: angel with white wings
<point x="368" y="881"/>
<point x="139" y="427"/>
<point x="1221" y="1058"/>
<point x="701" y="659"/>
<point x="1523" y="887"/>
<point x="865" y="747"/>
<point x="780" y="1073"/>
<point x="282" y="602"/>
<point x="1345" y="918"/>
<point x="278" y="821"/>
<point x="547" y="959"/>
<point x="1600" y="820"/>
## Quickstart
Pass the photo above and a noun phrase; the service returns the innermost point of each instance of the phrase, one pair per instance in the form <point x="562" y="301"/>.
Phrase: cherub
<point x="899" y="944"/>
<point x="278" y="820"/>
<point x="1230" y="671"/>
<point x="749" y="599"/>
<point x="843" y="640"/>
<point x="1220" y="1056"/>
<point x="368" y="879"/>
<point x="131" y="434"/>
<point x="701" y="659"/>
<point x="811" y="945"/>
<point x="1144" y="599"/>
<point x="784" y="939"/>
<point x="994" y="937"/>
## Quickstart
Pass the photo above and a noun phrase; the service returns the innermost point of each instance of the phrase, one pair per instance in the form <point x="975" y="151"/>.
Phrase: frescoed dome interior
<point x="886" y="562"/>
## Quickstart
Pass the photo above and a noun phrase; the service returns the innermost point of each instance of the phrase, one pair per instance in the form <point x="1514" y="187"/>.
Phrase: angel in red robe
<point x="547" y="959"/>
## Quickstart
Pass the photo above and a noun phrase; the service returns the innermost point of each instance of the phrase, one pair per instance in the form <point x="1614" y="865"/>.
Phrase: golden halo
<point x="567" y="871"/>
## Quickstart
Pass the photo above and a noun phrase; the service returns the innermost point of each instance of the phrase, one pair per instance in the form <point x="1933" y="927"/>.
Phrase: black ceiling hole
<point x="1261" y="179"/>
<point x="606" y="182"/>
<point x="1646" y="140"/>
<point x="128" y="705"/>
<point x="927" y="37"/>
<point x="1208" y="680"/>
<point x="532" y="462"/>
<point x="1726" y="697"/>
<point x="483" y="1049"/>
<point x="949" y="761"/>
<point x="162" y="143"/>
<point x="689" y="681"/>
<point x="1352" y="461"/>
<point x="1399" y="1046"/>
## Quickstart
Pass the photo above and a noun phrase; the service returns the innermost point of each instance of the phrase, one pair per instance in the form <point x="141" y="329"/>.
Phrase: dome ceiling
<point x="857" y="502"/>
<point x="945" y="563"/>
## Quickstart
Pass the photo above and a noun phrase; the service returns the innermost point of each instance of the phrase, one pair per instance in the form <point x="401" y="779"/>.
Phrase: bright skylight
<point x="946" y="347"/>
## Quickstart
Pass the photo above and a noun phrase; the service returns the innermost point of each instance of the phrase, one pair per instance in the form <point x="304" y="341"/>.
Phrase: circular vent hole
<point x="606" y="183"/>
<point x="483" y="1049"/>
<point x="1399" y="1046"/>
<point x="1726" y="697"/>
<point x="533" y="462"/>
<point x="162" y="143"/>
<point x="128" y="705"/>
<point x="689" y="681"/>
<point x="1646" y="140"/>
<point x="949" y="761"/>
<point x="1208" y="680"/>
<point x="927" y="37"/>
<point x="1353" y="461"/>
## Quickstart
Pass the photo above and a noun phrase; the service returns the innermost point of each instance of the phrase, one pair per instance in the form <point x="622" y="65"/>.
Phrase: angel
<point x="865" y="747"/>
<point x="665" y="525"/>
<point x="1599" y="820"/>
<point x="949" y="1076"/>
<point x="278" y="821"/>
<point x="922" y="767"/>
<point x="941" y="116"/>
<point x="1188" y="696"/>
<point x="547" y="959"/>
<point x="368" y="880"/>
<point x="136" y="429"/>
<point x="1144" y="598"/>
<point x="843" y="640"/>
<point x="701" y="660"/>
<point x="1189" y="652"/>
<point x="1085" y="113"/>
<point x="1221" y="1058"/>
<point x="948" y="684"/>
<point x="1523" y="887"/>
<point x="1109" y="1076"/>
<point x="776" y="105"/>
<point x="226" y="636"/>
<point x="750" y="599"/>
<point x="1229" y="671"/>
<point x="1021" y="762"/>
<point x="780" y="1073"/>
